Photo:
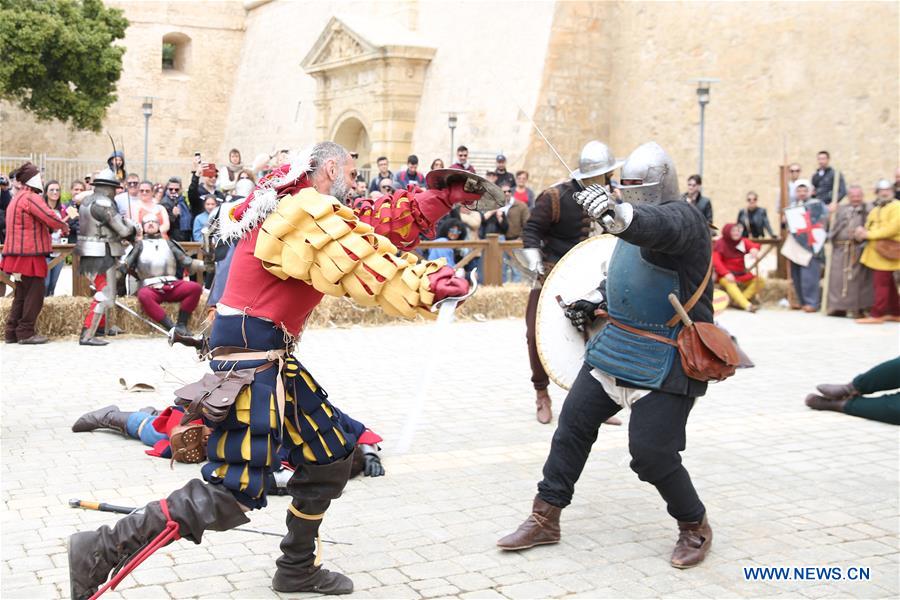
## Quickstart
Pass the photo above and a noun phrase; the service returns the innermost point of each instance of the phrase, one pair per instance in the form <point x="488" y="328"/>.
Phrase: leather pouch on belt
<point x="212" y="396"/>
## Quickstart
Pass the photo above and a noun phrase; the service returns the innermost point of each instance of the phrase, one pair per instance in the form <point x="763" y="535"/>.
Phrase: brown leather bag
<point x="889" y="249"/>
<point x="707" y="351"/>
<point x="212" y="396"/>
<point x="188" y="443"/>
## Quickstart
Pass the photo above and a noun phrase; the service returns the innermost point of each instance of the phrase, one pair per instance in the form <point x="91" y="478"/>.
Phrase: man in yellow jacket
<point x="882" y="231"/>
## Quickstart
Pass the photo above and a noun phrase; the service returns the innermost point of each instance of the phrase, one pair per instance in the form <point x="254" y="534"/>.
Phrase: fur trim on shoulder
<point x="263" y="200"/>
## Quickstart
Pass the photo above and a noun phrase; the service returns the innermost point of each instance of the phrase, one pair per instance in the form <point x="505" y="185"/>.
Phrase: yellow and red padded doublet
<point x="315" y="239"/>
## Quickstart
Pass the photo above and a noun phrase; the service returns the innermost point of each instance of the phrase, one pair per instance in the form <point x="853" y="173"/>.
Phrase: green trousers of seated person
<point x="880" y="378"/>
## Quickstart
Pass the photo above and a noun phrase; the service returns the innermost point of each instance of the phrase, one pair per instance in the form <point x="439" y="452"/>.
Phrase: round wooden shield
<point x="560" y="345"/>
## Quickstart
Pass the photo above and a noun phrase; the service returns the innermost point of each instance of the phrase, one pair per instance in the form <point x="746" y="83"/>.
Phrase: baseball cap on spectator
<point x="501" y="158"/>
<point x="387" y="182"/>
<point x="804" y="182"/>
<point x="884" y="184"/>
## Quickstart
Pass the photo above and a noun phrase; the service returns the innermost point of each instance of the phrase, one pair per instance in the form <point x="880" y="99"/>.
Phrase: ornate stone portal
<point x="369" y="82"/>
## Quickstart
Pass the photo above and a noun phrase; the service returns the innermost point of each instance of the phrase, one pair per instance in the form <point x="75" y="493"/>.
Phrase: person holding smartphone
<point x="203" y="182"/>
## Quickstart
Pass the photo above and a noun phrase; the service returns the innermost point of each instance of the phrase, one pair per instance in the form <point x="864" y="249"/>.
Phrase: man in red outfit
<point x="297" y="242"/>
<point x="29" y="222"/>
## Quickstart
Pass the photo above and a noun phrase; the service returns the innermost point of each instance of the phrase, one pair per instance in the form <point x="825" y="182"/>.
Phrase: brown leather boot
<point x="837" y="392"/>
<point x="819" y="403"/>
<point x="544" y="412"/>
<point x="108" y="417"/>
<point x="541" y="527"/>
<point x="694" y="541"/>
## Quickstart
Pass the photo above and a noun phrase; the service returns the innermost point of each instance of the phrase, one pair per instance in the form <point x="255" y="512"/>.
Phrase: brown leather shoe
<point x="694" y="541"/>
<point x="866" y="321"/>
<point x="837" y="392"/>
<point x="541" y="527"/>
<point x="809" y="309"/>
<point x="819" y="403"/>
<point x="544" y="412"/>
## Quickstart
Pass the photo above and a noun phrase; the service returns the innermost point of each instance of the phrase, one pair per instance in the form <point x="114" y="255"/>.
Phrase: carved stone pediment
<point x="337" y="45"/>
<point x="341" y="44"/>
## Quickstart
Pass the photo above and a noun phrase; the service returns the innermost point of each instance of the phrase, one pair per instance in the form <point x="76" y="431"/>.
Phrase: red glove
<point x="445" y="284"/>
<point x="433" y="204"/>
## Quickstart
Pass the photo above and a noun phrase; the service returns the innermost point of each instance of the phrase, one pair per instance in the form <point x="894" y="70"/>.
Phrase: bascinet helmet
<point x="648" y="175"/>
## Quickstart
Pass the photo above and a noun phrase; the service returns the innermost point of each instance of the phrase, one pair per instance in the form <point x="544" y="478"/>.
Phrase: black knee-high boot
<point x="312" y="487"/>
<point x="195" y="508"/>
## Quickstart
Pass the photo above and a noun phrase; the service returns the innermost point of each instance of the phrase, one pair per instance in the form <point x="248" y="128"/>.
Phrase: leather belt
<point x="234" y="353"/>
<point x="162" y="279"/>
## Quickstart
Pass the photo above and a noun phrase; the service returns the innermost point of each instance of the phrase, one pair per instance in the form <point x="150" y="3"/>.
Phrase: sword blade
<point x="544" y="137"/>
<point x="141" y="317"/>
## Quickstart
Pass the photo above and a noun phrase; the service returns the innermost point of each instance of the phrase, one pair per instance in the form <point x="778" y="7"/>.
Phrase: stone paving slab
<point x="784" y="486"/>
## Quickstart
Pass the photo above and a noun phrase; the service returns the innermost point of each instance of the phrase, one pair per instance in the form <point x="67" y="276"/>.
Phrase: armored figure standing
<point x="157" y="263"/>
<point x="555" y="226"/>
<point x="664" y="247"/>
<point x="102" y="230"/>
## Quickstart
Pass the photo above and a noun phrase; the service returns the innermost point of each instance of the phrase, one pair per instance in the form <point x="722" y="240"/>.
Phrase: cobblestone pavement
<point x="784" y="486"/>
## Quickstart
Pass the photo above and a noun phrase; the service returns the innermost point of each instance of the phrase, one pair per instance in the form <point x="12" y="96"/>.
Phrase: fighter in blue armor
<point x="664" y="247"/>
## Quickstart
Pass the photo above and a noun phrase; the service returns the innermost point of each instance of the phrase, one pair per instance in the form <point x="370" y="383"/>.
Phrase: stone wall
<point x="190" y="107"/>
<point x="489" y="58"/>
<point x="796" y="78"/>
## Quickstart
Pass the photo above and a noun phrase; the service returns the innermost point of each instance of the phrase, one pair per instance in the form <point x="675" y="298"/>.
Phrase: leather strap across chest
<point x="692" y="301"/>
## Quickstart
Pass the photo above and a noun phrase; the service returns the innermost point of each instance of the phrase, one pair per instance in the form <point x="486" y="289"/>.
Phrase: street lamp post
<point x="147" y="108"/>
<point x="452" y="120"/>
<point x="703" y="86"/>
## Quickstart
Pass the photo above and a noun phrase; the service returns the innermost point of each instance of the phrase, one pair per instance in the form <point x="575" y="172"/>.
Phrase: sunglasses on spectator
<point x="173" y="189"/>
<point x="145" y="191"/>
<point x="132" y="184"/>
<point x="386" y="187"/>
<point x="507" y="191"/>
<point x="795" y="170"/>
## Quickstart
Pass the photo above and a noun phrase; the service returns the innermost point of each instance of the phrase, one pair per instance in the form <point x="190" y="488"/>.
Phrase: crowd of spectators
<point x="183" y="214"/>
<point x="864" y="238"/>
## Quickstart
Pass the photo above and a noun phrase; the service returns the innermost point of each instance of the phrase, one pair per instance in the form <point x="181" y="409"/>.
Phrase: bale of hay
<point x="64" y="315"/>
<point x="775" y="290"/>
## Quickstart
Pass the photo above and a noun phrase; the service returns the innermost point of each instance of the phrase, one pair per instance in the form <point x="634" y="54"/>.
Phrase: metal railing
<point x="67" y="170"/>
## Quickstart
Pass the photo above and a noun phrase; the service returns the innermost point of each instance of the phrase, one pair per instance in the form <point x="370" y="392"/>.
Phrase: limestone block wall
<point x="796" y="78"/>
<point x="489" y="57"/>
<point x="190" y="107"/>
<point x="574" y="104"/>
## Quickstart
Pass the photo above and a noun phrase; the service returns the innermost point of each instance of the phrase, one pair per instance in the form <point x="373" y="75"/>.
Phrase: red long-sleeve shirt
<point x="735" y="265"/>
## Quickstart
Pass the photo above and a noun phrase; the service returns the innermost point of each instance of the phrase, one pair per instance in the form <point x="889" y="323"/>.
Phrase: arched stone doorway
<point x="352" y="135"/>
<point x="368" y="89"/>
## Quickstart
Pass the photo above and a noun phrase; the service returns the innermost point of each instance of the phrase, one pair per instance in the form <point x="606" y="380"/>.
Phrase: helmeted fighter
<point x="101" y="232"/>
<point x="555" y="226"/>
<point x="664" y="247"/>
